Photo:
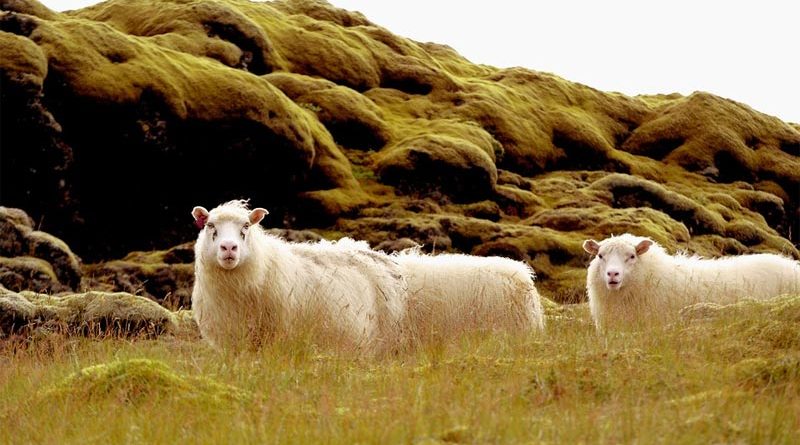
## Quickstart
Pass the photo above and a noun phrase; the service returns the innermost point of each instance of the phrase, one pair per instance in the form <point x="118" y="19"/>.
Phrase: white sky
<point x="748" y="51"/>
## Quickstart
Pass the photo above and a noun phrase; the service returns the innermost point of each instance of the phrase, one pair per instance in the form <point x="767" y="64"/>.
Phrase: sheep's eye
<point x="600" y="255"/>
<point x="213" y="230"/>
<point x="246" y="226"/>
<point x="633" y="256"/>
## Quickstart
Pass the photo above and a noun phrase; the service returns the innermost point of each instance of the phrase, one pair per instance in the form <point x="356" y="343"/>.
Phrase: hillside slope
<point x="119" y="117"/>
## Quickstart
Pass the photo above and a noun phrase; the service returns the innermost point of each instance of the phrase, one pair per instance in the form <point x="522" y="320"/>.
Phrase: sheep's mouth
<point x="613" y="284"/>
<point x="228" y="262"/>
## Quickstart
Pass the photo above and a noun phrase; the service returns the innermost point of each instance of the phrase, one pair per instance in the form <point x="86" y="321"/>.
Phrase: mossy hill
<point x="119" y="117"/>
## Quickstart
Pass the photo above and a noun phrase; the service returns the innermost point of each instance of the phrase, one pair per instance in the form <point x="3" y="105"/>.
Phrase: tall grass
<point x="731" y="376"/>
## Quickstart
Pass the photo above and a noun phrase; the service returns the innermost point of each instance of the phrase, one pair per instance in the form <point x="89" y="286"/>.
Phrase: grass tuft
<point x="136" y="380"/>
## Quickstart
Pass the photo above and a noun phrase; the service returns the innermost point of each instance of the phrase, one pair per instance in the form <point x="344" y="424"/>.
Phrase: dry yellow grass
<point x="720" y="375"/>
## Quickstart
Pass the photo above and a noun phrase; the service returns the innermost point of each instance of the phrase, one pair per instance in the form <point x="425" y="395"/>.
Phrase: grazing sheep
<point x="633" y="279"/>
<point x="450" y="294"/>
<point x="250" y="286"/>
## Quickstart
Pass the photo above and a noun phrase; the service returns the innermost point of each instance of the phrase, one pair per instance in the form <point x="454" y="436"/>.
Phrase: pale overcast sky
<point x="745" y="50"/>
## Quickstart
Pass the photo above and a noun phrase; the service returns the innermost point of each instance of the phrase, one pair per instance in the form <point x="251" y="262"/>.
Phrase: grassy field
<point x="719" y="375"/>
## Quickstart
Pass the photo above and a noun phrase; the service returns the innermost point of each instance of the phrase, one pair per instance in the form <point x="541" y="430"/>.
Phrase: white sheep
<point x="633" y="279"/>
<point x="250" y="286"/>
<point x="450" y="294"/>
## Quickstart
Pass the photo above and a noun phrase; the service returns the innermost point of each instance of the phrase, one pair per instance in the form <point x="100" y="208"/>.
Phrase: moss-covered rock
<point x="205" y="28"/>
<point x="102" y="59"/>
<point x="163" y="276"/>
<point x="34" y="260"/>
<point x="66" y="265"/>
<point x="90" y="313"/>
<point x="703" y="132"/>
<point x="29" y="273"/>
<point x="15" y="226"/>
<point x="16" y="311"/>
<point x="433" y="162"/>
<point x="137" y="380"/>
<point x="352" y="119"/>
<point x="629" y="191"/>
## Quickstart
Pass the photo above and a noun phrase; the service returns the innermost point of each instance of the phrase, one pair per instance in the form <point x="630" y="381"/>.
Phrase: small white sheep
<point x="450" y="294"/>
<point x="250" y="285"/>
<point x="633" y="279"/>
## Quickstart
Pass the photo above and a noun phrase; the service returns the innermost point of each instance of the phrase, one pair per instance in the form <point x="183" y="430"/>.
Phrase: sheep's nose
<point x="612" y="274"/>
<point x="228" y="246"/>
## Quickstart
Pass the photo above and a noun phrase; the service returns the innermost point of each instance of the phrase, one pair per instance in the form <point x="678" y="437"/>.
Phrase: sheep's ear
<point x="591" y="246"/>
<point x="643" y="246"/>
<point x="256" y="215"/>
<point x="200" y="215"/>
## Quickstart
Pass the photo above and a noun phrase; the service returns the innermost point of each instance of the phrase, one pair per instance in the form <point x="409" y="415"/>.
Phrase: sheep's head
<point x="225" y="232"/>
<point x="615" y="258"/>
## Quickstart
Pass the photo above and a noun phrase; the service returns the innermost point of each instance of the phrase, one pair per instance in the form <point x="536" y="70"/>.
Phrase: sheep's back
<point x="729" y="279"/>
<point x="355" y="286"/>
<point x="451" y="292"/>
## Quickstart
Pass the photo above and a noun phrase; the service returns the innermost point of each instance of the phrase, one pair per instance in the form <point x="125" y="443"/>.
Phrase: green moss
<point x="13" y="242"/>
<point x="30" y="7"/>
<point x="600" y="221"/>
<point x="137" y="380"/>
<point x="180" y="254"/>
<point x="66" y="265"/>
<point x="745" y="232"/>
<point x="703" y="131"/>
<point x="193" y="88"/>
<point x="659" y="100"/>
<point x="352" y="119"/>
<point x="310" y="106"/>
<point x="17" y="217"/>
<point x="326" y="205"/>
<point x="629" y="191"/>
<point x="517" y="202"/>
<point x="329" y="51"/>
<point x="483" y="210"/>
<point x="101" y="313"/>
<point x="90" y="313"/>
<point x="26" y="272"/>
<point x="22" y="60"/>
<point x="217" y="30"/>
<point x="16" y="312"/>
<point x="165" y="276"/>
<point x="322" y="10"/>
<point x="20" y="242"/>
<point x="435" y="162"/>
<point x="363" y="173"/>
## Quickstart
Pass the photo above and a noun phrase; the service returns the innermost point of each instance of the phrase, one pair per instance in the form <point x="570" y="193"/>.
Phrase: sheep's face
<point x="225" y="236"/>
<point x="615" y="259"/>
